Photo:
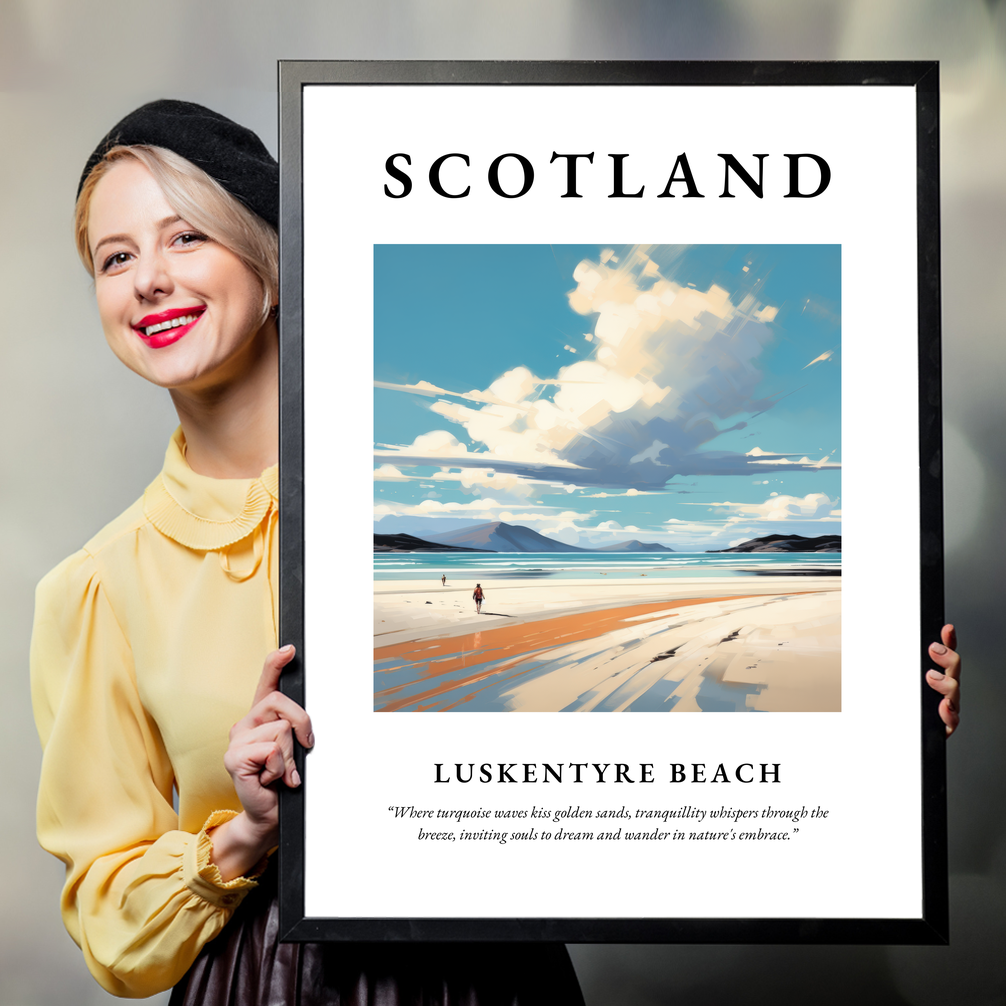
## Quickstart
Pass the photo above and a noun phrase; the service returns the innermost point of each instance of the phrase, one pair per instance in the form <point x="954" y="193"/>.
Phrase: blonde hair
<point x="199" y="200"/>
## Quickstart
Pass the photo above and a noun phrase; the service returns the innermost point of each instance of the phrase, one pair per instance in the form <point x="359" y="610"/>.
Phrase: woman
<point x="148" y="643"/>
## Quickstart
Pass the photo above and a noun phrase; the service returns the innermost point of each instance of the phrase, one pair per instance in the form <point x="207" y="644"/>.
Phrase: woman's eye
<point x="190" y="238"/>
<point x="114" y="261"/>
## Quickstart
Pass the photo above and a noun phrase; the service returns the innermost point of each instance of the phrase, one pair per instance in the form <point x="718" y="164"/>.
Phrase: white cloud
<point x="432" y="508"/>
<point x="428" y="390"/>
<point x="628" y="492"/>
<point x="499" y="483"/>
<point x="512" y="453"/>
<point x="703" y="529"/>
<point x="389" y="473"/>
<point x="813" y="506"/>
<point x="672" y="368"/>
<point x="469" y="480"/>
<point x="820" y="359"/>
<point x="778" y="460"/>
<point x="439" y="443"/>
<point x="481" y="509"/>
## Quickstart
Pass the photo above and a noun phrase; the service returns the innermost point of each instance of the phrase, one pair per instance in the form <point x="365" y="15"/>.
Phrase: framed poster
<point x="612" y="388"/>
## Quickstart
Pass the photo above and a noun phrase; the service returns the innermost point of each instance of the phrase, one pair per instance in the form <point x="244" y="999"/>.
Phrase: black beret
<point x="230" y="154"/>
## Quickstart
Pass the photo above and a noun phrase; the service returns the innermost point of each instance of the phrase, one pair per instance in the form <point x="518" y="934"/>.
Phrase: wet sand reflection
<point x="450" y="672"/>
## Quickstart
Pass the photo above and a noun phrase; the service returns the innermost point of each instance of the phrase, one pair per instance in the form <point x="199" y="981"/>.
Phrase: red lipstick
<point x="166" y="327"/>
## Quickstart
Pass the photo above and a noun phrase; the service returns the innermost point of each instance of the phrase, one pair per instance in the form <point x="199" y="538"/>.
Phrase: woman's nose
<point x="152" y="277"/>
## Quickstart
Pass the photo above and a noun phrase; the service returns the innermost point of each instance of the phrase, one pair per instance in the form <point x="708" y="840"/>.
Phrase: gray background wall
<point x="82" y="437"/>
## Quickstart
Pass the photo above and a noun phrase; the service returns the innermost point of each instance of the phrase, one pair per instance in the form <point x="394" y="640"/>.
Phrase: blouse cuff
<point x="202" y="876"/>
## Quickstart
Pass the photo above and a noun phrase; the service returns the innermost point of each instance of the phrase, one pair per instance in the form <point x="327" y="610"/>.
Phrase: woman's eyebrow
<point x="109" y="240"/>
<point x="160" y="225"/>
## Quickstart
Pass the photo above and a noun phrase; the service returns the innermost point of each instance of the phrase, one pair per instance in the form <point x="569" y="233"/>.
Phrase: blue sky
<point x="686" y="395"/>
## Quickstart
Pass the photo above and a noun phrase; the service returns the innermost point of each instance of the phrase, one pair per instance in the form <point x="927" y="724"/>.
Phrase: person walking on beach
<point x="478" y="596"/>
<point x="443" y="579"/>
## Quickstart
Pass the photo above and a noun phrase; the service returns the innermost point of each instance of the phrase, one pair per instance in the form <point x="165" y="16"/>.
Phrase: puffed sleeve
<point x="141" y="898"/>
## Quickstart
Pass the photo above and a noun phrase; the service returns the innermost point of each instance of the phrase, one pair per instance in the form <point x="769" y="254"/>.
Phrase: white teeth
<point x="173" y="323"/>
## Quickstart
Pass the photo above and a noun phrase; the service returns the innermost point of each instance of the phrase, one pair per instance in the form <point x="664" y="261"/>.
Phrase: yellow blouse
<point x="147" y="647"/>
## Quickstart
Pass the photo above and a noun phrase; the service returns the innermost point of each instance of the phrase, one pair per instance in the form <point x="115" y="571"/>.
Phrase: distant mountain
<point x="407" y="543"/>
<point x="498" y="536"/>
<point x="635" y="546"/>
<point x="787" y="543"/>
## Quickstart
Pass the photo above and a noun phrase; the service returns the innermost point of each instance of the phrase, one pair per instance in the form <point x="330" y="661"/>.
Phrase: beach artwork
<point x="607" y="478"/>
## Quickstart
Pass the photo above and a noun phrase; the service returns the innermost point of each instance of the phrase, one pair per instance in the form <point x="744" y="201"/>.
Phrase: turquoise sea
<point x="587" y="565"/>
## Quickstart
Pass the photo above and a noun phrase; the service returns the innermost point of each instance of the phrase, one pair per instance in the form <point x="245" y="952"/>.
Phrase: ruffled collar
<point x="203" y="513"/>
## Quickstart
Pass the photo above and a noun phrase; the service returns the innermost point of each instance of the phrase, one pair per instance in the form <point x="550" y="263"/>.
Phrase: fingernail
<point x="936" y="676"/>
<point x="295" y="777"/>
<point x="310" y="740"/>
<point x="287" y="649"/>
<point x="938" y="648"/>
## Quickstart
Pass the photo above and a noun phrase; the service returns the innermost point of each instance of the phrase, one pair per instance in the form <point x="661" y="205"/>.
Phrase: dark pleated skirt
<point x="246" y="965"/>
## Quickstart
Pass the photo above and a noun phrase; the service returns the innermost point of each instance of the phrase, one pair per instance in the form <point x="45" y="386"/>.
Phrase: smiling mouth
<point x="185" y="319"/>
<point x="165" y="324"/>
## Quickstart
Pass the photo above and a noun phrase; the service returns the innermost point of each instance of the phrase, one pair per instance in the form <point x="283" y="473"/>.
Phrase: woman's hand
<point x="260" y="753"/>
<point x="947" y="682"/>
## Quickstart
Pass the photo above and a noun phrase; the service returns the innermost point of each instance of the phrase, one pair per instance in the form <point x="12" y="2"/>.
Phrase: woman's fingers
<point x="949" y="688"/>
<point x="260" y="761"/>
<point x="261" y="749"/>
<point x="944" y="684"/>
<point x="274" y="767"/>
<point x="949" y="636"/>
<point x="270" y="703"/>
<point x="949" y="710"/>
<point x="271" y="670"/>
<point x="947" y="657"/>
<point x="948" y="660"/>
<point x="946" y="681"/>
<point x="279" y="736"/>
<point x="277" y="706"/>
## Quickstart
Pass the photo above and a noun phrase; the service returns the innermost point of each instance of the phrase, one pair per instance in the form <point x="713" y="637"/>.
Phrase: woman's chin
<point x="197" y="365"/>
<point x="173" y="374"/>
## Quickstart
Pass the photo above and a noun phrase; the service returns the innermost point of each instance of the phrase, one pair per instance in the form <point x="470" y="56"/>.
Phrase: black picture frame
<point x="931" y="927"/>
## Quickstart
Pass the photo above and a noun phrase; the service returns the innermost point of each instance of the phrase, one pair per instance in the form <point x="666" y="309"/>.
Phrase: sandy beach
<point x="740" y="644"/>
